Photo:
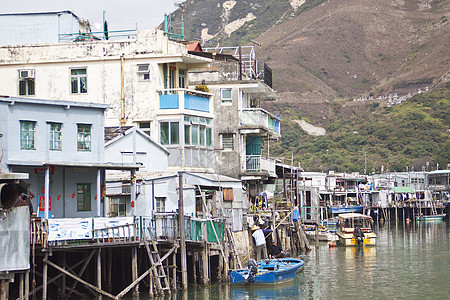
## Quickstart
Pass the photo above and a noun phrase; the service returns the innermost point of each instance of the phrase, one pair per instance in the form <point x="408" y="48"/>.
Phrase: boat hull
<point x="350" y="240"/>
<point x="431" y="218"/>
<point x="266" y="276"/>
<point x="346" y="209"/>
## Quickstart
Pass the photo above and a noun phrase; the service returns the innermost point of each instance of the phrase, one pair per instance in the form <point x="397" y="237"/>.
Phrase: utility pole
<point x="184" y="278"/>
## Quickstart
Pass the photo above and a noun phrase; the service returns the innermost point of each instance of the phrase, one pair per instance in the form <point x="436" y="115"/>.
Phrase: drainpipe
<point x="122" y="117"/>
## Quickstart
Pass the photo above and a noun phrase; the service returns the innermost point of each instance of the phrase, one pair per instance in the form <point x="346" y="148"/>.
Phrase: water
<point x="409" y="262"/>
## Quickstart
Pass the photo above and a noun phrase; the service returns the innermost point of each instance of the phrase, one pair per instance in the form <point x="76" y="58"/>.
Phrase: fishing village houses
<point x="132" y="175"/>
<point x="144" y="161"/>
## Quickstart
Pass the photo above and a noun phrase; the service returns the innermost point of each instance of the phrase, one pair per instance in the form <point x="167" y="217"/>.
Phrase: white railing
<point x="259" y="163"/>
<point x="258" y="117"/>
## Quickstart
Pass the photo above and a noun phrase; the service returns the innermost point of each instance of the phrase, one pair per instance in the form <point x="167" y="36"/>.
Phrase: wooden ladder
<point x="156" y="265"/>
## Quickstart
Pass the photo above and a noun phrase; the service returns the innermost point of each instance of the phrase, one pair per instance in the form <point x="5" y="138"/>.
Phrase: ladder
<point x="156" y="265"/>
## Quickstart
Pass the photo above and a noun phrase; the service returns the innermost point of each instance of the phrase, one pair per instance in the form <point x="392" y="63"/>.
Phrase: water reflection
<point x="409" y="261"/>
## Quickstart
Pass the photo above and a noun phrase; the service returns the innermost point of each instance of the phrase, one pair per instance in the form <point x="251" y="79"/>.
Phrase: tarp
<point x="402" y="189"/>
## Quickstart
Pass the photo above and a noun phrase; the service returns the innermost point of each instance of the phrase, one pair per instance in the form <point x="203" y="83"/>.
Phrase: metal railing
<point x="259" y="163"/>
<point x="184" y="98"/>
<point x="96" y="35"/>
<point x="259" y="117"/>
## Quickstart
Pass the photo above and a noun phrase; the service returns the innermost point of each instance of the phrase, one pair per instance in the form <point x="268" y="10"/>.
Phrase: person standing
<point x="259" y="238"/>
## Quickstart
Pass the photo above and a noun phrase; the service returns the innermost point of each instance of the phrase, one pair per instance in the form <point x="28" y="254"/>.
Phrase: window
<point x="55" y="136"/>
<point x="78" y="81"/>
<point x="144" y="72"/>
<point x="225" y="95"/>
<point x="27" y="135"/>
<point x="169" y="133"/>
<point x="145" y="127"/>
<point x="197" y="131"/>
<point x="84" y="137"/>
<point x="83" y="197"/>
<point x="160" y="204"/>
<point x="227" y="141"/>
<point x="228" y="194"/>
<point x="26" y="82"/>
<point x="117" y="207"/>
<point x="181" y="78"/>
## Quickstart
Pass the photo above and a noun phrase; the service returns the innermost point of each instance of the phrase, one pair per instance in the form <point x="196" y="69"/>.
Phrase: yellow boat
<point x="355" y="229"/>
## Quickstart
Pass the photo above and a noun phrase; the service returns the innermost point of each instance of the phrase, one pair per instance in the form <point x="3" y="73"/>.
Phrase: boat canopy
<point x="353" y="216"/>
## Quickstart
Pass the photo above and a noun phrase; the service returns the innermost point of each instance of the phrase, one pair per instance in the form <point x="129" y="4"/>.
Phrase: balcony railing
<point x="184" y="98"/>
<point x="164" y="226"/>
<point x="259" y="163"/>
<point x="258" y="117"/>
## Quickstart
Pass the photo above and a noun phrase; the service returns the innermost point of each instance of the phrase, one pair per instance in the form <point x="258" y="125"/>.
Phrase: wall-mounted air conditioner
<point x="26" y="74"/>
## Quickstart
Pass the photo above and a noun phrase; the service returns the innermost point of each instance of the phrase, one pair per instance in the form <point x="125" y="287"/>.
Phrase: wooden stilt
<point x="44" y="279"/>
<point x="182" y="233"/>
<point x="109" y="269"/>
<point x="21" y="286"/>
<point x="150" y="283"/>
<point x="134" y="270"/>
<point x="205" y="263"/>
<point x="99" y="270"/>
<point x="220" y="269"/>
<point x="174" y="270"/>
<point x="194" y="266"/>
<point x="27" y="284"/>
<point x="63" y="279"/>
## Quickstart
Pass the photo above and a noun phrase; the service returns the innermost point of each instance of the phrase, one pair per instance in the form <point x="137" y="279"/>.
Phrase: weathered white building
<point x="144" y="80"/>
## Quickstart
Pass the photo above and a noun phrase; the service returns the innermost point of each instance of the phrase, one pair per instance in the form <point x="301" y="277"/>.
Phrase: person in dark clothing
<point x="359" y="235"/>
<point x="275" y="251"/>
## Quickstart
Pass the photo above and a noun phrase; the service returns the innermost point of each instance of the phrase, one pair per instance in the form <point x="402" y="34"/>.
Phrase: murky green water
<point x="408" y="262"/>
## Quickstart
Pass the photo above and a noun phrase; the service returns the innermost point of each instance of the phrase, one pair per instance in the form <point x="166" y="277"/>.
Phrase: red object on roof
<point x="195" y="46"/>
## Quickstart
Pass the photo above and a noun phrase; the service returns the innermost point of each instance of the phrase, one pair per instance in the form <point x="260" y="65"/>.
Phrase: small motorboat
<point x="355" y="229"/>
<point x="269" y="271"/>
<point x="437" y="217"/>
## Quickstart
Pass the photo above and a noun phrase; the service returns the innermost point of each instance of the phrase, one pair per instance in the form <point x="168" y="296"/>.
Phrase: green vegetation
<point x="407" y="135"/>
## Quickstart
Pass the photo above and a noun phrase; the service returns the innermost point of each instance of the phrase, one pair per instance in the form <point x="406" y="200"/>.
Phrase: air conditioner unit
<point x="26" y="74"/>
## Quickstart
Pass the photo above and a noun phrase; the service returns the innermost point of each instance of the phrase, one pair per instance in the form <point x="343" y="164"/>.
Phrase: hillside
<point x="326" y="53"/>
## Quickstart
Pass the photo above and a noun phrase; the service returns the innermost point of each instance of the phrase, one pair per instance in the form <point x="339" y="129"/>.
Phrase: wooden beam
<point x="44" y="275"/>
<point x="54" y="278"/>
<point x="128" y="288"/>
<point x="46" y="261"/>
<point x="168" y="253"/>
<point x="81" y="272"/>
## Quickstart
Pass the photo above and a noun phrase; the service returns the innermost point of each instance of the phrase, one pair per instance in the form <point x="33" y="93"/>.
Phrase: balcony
<point x="258" y="164"/>
<point x="257" y="120"/>
<point x="171" y="99"/>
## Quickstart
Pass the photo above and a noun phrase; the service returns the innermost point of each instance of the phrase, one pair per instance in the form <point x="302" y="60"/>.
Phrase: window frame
<point x="78" y="80"/>
<point x="158" y="207"/>
<point x="144" y="74"/>
<point x="223" y="137"/>
<point x="181" y="78"/>
<point x="53" y="143"/>
<point x="197" y="131"/>
<point x="226" y="100"/>
<point x="80" y="138"/>
<point x="27" y="135"/>
<point x="118" y="206"/>
<point x="169" y="134"/>
<point x="84" y="198"/>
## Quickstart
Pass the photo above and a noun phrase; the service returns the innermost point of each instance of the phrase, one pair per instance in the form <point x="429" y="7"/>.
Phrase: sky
<point x="121" y="15"/>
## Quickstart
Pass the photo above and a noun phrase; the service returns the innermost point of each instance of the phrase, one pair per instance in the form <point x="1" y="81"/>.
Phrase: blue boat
<point x="343" y="209"/>
<point x="270" y="271"/>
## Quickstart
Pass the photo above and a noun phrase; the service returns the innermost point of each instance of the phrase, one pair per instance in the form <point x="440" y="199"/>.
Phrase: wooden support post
<point x="44" y="279"/>
<point x="27" y="284"/>
<point x="150" y="284"/>
<point x="194" y="265"/>
<point x="21" y="286"/>
<point x="205" y="261"/>
<point x="63" y="279"/>
<point x="109" y="269"/>
<point x="174" y="270"/>
<point x="134" y="270"/>
<point x="220" y="269"/>
<point x="184" y="280"/>
<point x="99" y="270"/>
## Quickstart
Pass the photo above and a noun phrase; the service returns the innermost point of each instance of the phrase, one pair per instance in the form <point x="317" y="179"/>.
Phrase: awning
<point x="403" y="189"/>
